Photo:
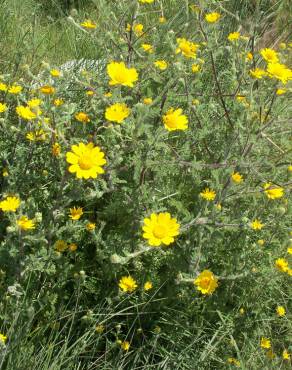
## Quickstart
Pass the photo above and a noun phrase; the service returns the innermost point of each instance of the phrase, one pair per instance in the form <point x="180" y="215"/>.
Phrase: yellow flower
<point x="233" y="361"/>
<point x="196" y="68"/>
<point x="25" y="113"/>
<point x="3" y="87"/>
<point x="281" y="311"/>
<point x="75" y="213"/>
<point x="162" y="20"/>
<point x="86" y="160"/>
<point x="108" y="94"/>
<point x="127" y="284"/>
<point x="121" y="75"/>
<point x="73" y="247"/>
<point x="212" y="17"/>
<point x="161" y="64"/>
<point x="138" y="29"/>
<point x="25" y="223"/>
<point x="88" y="24"/>
<point x="249" y="56"/>
<point x="129" y="27"/>
<point x="126" y="345"/>
<point x="237" y="177"/>
<point x="261" y="242"/>
<point x="55" y="73"/>
<point x="265" y="343"/>
<point x="15" y="89"/>
<point x="10" y="204"/>
<point x="286" y="355"/>
<point x="160" y="229"/>
<point x="90" y="92"/>
<point x="233" y="36"/>
<point x="242" y="311"/>
<point x="3" y="338"/>
<point x="282" y="264"/>
<point x="187" y="48"/>
<point x="148" y="48"/>
<point x="5" y="172"/>
<point x="281" y="91"/>
<point x="117" y="112"/>
<point x="257" y="73"/>
<point x="146" y="1"/>
<point x="90" y="226"/>
<point x="175" y="120"/>
<point x="38" y="135"/>
<point x="56" y="149"/>
<point x="47" y="90"/>
<point x="34" y="103"/>
<point x="289" y="250"/>
<point x="208" y="194"/>
<point x="147" y="101"/>
<point x="273" y="192"/>
<point x="82" y="117"/>
<point x="269" y="55"/>
<point x="256" y="225"/>
<point x="61" y="246"/>
<point x="206" y="282"/>
<point x="57" y="102"/>
<point x="280" y="72"/>
<point x="3" y="107"/>
<point x="148" y="285"/>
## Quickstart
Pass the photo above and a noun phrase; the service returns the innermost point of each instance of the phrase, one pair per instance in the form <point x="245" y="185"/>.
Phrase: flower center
<point x="85" y="162"/>
<point x="205" y="283"/>
<point x="159" y="231"/>
<point x="121" y="76"/>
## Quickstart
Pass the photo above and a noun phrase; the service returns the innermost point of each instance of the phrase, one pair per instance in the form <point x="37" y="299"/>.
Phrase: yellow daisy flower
<point x="88" y="24"/>
<point x="281" y="311"/>
<point x="3" y="107"/>
<point x="208" y="194"/>
<point x="75" y="213"/>
<point x="237" y="177"/>
<point x="127" y="284"/>
<point x="175" y="120"/>
<point x="161" y="64"/>
<point x="206" y="282"/>
<point x="212" y="17"/>
<point x="160" y="229"/>
<point x="117" y="112"/>
<point x="121" y="75"/>
<point x="82" y="117"/>
<point x="187" y="48"/>
<point x="10" y="204"/>
<point x="256" y="225"/>
<point x="233" y="36"/>
<point x="86" y="160"/>
<point x="272" y="191"/>
<point x="265" y="343"/>
<point x="24" y="223"/>
<point x="269" y="55"/>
